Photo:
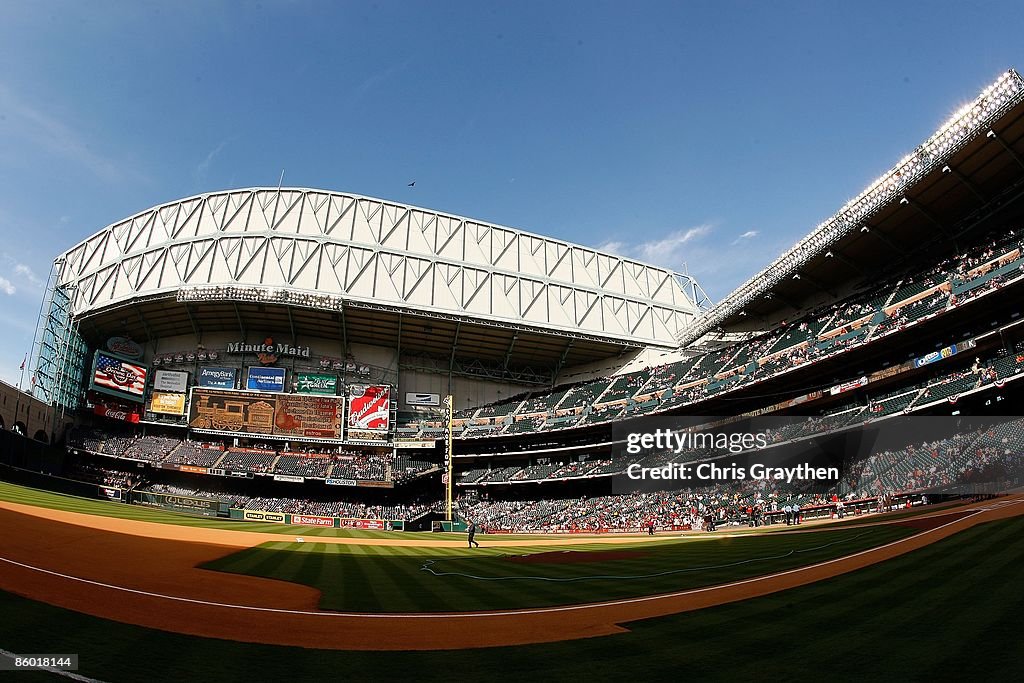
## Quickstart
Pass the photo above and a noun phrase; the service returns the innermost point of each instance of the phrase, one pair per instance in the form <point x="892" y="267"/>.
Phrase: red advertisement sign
<point x="312" y="520"/>
<point x="370" y="408"/>
<point x="362" y="523"/>
<point x="115" y="413"/>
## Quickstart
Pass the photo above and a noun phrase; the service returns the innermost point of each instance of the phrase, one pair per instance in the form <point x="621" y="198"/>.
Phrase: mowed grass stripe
<point x="958" y="629"/>
<point x="901" y="597"/>
<point x="403" y="574"/>
<point x="903" y="604"/>
<point x="477" y="597"/>
<point x="103" y="508"/>
<point x="388" y="582"/>
<point x="396" y="581"/>
<point x="356" y="584"/>
<point x="57" y="501"/>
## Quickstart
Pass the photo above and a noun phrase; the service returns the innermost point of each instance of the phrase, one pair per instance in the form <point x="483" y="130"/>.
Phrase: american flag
<point x="120" y="376"/>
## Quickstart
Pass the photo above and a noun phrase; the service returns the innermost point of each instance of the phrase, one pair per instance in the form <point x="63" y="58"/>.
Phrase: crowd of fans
<point x="313" y="462"/>
<point x="337" y="508"/>
<point x="971" y="459"/>
<point x="104" y="476"/>
<point x="176" y="490"/>
<point x="945" y="386"/>
<point x="195" y="453"/>
<point x="302" y="506"/>
<point x="882" y="309"/>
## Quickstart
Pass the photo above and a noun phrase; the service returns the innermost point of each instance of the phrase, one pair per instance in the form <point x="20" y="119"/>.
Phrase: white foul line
<point x="472" y="615"/>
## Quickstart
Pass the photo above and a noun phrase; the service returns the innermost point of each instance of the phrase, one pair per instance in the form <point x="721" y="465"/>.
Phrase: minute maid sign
<point x="268" y="352"/>
<point x="315" y="383"/>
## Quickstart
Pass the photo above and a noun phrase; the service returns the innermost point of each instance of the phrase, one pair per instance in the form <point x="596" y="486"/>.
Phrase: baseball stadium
<point x="290" y="433"/>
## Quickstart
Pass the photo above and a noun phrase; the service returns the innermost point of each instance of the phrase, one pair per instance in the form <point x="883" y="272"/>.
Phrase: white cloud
<point x="749" y="234"/>
<point x="204" y="166"/>
<point x="612" y="247"/>
<point x="22" y="274"/>
<point x="6" y="287"/>
<point x="718" y="264"/>
<point x="669" y="251"/>
<point x="28" y="274"/>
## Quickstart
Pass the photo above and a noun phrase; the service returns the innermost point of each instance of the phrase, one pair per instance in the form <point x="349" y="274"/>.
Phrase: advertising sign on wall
<point x="280" y="414"/>
<point x="316" y="383"/>
<point x="264" y="379"/>
<point x="263" y="516"/>
<point x="220" y="378"/>
<point x="378" y="524"/>
<point x="110" y="493"/>
<point x="312" y="520"/>
<point x="168" y="404"/>
<point x="232" y="411"/>
<point x="115" y="413"/>
<point x="123" y="346"/>
<point x="201" y="506"/>
<point x="118" y="377"/>
<point x="306" y="415"/>
<point x="170" y="380"/>
<point x="848" y="386"/>
<point x="369" y="408"/>
<point x="944" y="353"/>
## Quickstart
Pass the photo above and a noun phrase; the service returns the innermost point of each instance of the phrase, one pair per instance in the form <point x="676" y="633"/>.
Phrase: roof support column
<point x="451" y="360"/>
<point x="967" y="183"/>
<point x="991" y="135"/>
<point x="238" y="316"/>
<point x="561" y="361"/>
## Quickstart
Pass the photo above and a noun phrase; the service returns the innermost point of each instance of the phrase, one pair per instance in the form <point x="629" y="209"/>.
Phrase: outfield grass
<point x="396" y="579"/>
<point x="949" y="611"/>
<point x="59" y="501"/>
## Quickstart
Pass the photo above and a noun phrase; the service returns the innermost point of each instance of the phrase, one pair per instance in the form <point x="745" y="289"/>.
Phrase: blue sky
<point x="704" y="133"/>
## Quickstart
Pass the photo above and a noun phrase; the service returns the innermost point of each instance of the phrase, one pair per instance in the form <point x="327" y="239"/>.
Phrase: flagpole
<point x="449" y="401"/>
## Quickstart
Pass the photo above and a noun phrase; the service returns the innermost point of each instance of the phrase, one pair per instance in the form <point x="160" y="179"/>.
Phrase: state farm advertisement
<point x="312" y="520"/>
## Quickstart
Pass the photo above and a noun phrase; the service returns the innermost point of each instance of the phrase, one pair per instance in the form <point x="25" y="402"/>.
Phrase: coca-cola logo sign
<point x="115" y="413"/>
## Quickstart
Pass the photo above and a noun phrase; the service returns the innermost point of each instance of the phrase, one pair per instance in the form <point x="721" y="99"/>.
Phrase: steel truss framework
<point x="373" y="252"/>
<point x="58" y="351"/>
